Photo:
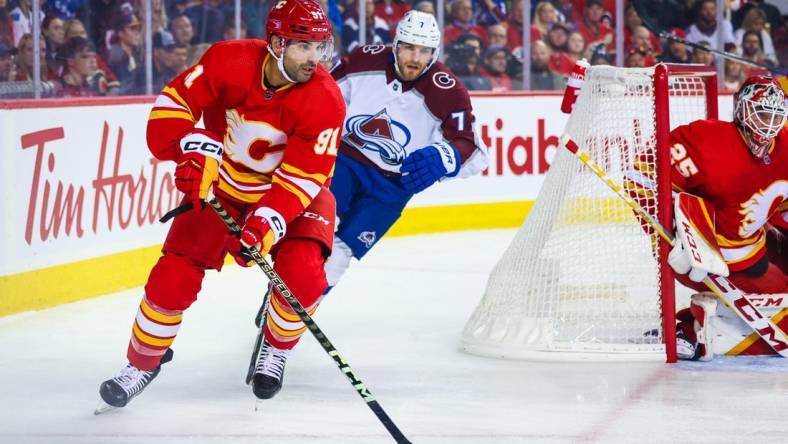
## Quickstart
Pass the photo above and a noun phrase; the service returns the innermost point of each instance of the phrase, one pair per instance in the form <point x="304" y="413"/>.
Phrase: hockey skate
<point x="269" y="371"/>
<point x="128" y="383"/>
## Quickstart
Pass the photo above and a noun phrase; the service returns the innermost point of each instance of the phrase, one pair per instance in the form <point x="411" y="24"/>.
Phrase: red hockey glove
<point x="263" y="228"/>
<point x="198" y="168"/>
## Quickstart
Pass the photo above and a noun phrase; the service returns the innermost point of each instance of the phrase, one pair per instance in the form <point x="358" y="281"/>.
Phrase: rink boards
<point x="81" y="195"/>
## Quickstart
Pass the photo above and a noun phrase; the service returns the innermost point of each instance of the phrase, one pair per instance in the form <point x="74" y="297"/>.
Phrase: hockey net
<point x="582" y="280"/>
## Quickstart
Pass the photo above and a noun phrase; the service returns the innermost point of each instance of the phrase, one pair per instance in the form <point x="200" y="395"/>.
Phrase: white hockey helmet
<point x="418" y="28"/>
<point x="760" y="111"/>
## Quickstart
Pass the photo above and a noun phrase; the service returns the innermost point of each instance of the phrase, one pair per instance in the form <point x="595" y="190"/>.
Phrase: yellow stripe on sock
<point x="150" y="340"/>
<point x="157" y="316"/>
<point x="282" y="332"/>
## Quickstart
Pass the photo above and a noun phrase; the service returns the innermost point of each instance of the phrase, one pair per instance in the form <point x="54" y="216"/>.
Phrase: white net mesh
<point x="581" y="278"/>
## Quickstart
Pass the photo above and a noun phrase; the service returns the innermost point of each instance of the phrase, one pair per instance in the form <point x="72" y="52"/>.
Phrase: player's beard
<point x="300" y="73"/>
<point x="411" y="70"/>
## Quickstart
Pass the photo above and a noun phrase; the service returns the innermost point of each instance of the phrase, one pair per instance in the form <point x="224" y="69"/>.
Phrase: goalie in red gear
<point x="740" y="170"/>
<point x="273" y="116"/>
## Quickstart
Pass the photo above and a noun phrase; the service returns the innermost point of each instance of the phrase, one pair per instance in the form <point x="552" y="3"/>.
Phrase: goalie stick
<point x="719" y="285"/>
<point x="639" y="7"/>
<point x="277" y="283"/>
<point x="779" y="300"/>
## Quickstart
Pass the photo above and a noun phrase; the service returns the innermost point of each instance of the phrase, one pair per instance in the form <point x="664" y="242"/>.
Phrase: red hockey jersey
<point x="710" y="159"/>
<point x="279" y="144"/>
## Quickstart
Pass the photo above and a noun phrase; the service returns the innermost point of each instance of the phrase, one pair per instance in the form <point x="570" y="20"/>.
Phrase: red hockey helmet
<point x="298" y="19"/>
<point x="759" y="108"/>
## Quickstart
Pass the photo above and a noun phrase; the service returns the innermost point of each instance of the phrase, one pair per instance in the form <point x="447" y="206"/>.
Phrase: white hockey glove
<point x="695" y="251"/>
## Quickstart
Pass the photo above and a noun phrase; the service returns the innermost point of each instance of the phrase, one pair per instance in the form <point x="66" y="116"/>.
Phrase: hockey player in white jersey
<point x="409" y="124"/>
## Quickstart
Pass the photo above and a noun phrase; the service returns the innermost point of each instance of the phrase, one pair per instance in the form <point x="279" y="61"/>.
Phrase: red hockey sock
<point x="172" y="286"/>
<point x="299" y="262"/>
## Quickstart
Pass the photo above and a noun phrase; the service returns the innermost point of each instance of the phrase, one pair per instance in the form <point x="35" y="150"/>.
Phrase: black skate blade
<point x="253" y="361"/>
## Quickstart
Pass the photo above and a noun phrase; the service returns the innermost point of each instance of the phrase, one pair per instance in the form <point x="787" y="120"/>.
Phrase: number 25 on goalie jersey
<point x="711" y="160"/>
<point x="280" y="144"/>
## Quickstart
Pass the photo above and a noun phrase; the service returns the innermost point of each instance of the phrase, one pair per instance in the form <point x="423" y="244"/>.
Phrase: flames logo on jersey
<point x="756" y="209"/>
<point x="378" y="134"/>
<point x="255" y="144"/>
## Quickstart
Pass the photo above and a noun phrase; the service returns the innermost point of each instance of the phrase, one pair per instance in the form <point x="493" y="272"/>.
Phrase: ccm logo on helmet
<point x="207" y="147"/>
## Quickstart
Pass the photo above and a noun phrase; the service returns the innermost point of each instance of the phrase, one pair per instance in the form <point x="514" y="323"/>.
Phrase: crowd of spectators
<point x="96" y="47"/>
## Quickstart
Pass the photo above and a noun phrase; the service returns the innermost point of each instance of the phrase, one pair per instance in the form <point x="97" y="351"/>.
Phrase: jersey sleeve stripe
<point x="741" y="254"/>
<point x="250" y="188"/>
<point x="309" y="187"/>
<point x="244" y="177"/>
<point x="173" y="93"/>
<point x="320" y="179"/>
<point x="725" y="242"/>
<point x="170" y="114"/>
<point x="241" y="196"/>
<point x="165" y="101"/>
<point x="298" y="193"/>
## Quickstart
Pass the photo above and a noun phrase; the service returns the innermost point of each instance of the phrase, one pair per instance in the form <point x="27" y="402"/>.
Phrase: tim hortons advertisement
<point x="78" y="182"/>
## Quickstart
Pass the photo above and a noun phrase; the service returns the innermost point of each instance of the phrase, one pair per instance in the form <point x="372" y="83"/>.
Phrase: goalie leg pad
<point x="703" y="306"/>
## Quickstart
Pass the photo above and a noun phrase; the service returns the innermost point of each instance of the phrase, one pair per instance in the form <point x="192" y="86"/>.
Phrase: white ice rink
<point x="397" y="319"/>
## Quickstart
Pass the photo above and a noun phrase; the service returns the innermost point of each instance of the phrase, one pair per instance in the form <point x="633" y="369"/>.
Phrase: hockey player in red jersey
<point x="735" y="174"/>
<point x="272" y="118"/>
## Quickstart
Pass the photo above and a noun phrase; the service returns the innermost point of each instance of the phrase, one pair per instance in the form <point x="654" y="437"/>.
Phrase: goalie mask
<point x="299" y="21"/>
<point x="759" y="109"/>
<point x="418" y="28"/>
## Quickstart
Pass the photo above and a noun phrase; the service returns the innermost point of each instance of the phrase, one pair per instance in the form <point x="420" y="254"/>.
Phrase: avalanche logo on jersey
<point x="378" y="134"/>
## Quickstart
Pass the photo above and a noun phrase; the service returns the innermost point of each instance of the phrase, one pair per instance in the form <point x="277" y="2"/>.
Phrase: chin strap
<point x="280" y="61"/>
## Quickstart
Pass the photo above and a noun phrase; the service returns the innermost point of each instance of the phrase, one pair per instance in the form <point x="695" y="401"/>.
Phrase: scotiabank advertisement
<point x="79" y="183"/>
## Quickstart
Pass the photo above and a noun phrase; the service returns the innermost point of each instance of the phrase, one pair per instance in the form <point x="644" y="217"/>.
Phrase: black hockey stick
<point x="641" y="10"/>
<point x="259" y="322"/>
<point x="277" y="282"/>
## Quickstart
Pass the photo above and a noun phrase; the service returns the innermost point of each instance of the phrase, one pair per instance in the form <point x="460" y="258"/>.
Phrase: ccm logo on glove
<point x="691" y="242"/>
<point x="206" y="148"/>
<point x="198" y="168"/>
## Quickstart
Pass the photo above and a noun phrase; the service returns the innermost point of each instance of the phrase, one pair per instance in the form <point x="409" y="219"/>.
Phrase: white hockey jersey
<point x="387" y="119"/>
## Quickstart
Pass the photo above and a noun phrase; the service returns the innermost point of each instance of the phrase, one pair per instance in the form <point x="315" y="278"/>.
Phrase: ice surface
<point x="396" y="318"/>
